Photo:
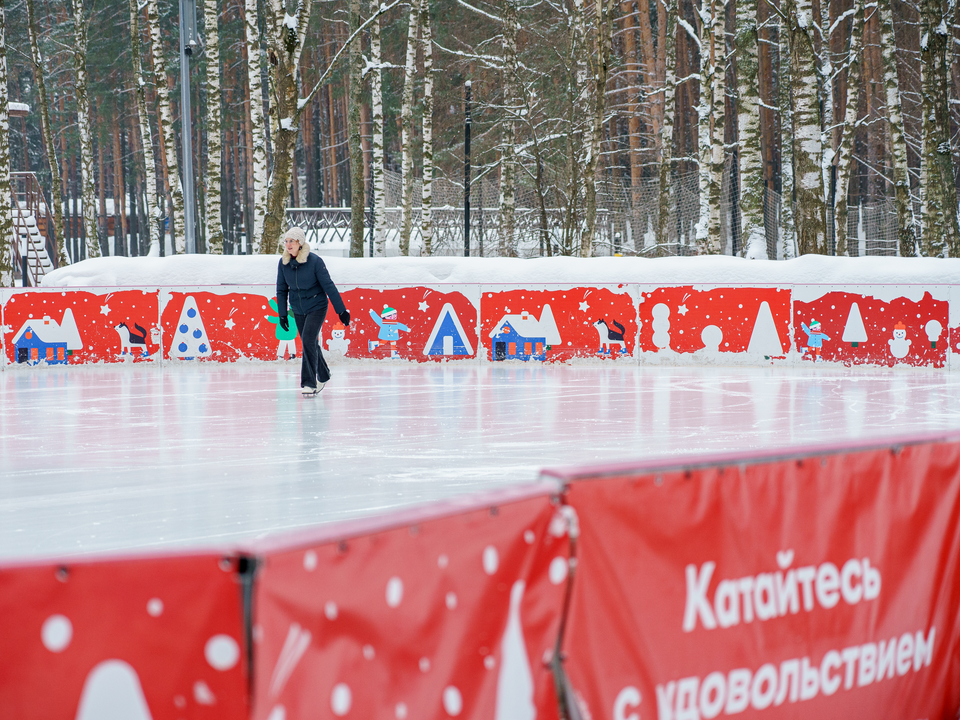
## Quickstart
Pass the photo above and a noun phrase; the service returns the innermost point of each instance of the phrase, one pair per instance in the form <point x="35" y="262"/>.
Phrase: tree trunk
<point x="602" y="9"/>
<point x="769" y="81"/>
<point x="508" y="132"/>
<point x="56" y="190"/>
<point x="750" y="158"/>
<point x="153" y="201"/>
<point x="901" y="177"/>
<point x="284" y="39"/>
<point x="119" y="197"/>
<point x="710" y="113"/>
<point x="847" y="130"/>
<point x="6" y="191"/>
<point x="258" y="138"/>
<point x="426" y="210"/>
<point x="213" y="177"/>
<point x="358" y="192"/>
<point x="941" y="236"/>
<point x="169" y="143"/>
<point x="809" y="207"/>
<point x="666" y="129"/>
<point x="406" y="133"/>
<point x="88" y="186"/>
<point x="376" y="103"/>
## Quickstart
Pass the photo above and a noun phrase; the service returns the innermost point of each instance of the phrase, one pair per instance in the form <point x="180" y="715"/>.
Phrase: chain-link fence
<point x="627" y="222"/>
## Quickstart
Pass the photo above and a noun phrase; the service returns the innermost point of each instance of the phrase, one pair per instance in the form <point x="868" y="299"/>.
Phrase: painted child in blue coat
<point x="389" y="330"/>
<point x="815" y="338"/>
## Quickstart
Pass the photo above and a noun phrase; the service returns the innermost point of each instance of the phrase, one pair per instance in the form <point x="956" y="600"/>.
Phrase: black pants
<point x="314" y="367"/>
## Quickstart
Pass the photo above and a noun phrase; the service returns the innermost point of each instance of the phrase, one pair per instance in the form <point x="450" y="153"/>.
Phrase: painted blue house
<point x="448" y="337"/>
<point x="523" y="337"/>
<point x="41" y="341"/>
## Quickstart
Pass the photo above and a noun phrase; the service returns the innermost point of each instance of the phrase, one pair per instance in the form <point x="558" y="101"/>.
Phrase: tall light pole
<point x="188" y="42"/>
<point x="466" y="169"/>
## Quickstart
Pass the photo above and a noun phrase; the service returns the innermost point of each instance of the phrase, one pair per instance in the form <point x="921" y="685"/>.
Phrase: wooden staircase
<point x="33" y="247"/>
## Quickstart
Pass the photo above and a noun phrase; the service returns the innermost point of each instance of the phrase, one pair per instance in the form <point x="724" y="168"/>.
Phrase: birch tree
<point x="901" y="178"/>
<point x="508" y="132"/>
<point x="213" y="174"/>
<point x="6" y="191"/>
<point x="166" y="127"/>
<point x="406" y="127"/>
<point x="87" y="185"/>
<point x="284" y="40"/>
<point x="941" y="236"/>
<point x="357" y="189"/>
<point x="47" y="129"/>
<point x="749" y="154"/>
<point x="848" y="129"/>
<point x="426" y="210"/>
<point x="710" y="112"/>
<point x="152" y="200"/>
<point x="666" y="129"/>
<point x="809" y="205"/>
<point x="602" y="9"/>
<point x="258" y="127"/>
<point x="376" y="170"/>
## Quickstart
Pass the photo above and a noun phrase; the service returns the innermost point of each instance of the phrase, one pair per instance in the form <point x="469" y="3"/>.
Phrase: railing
<point x="30" y="202"/>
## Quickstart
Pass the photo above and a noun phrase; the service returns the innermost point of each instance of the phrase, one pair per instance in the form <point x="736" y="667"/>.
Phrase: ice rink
<point x="116" y="458"/>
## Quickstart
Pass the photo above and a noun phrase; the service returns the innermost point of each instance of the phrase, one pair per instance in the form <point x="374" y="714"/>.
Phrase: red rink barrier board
<point x="145" y="638"/>
<point x="822" y="587"/>
<point x="442" y="616"/>
<point x="881" y="325"/>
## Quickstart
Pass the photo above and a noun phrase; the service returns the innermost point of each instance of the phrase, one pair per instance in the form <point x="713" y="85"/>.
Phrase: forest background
<point x="763" y="128"/>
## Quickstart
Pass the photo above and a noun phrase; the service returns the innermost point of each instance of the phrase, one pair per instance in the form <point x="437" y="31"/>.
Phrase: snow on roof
<point x="18" y="108"/>
<point x="526" y="325"/>
<point x="46" y="329"/>
<point x="563" y="271"/>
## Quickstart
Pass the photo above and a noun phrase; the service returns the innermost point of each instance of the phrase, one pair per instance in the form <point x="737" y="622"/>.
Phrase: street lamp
<point x="188" y="42"/>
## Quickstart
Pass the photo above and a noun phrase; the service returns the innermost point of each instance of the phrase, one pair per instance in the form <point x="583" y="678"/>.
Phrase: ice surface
<point x="118" y="458"/>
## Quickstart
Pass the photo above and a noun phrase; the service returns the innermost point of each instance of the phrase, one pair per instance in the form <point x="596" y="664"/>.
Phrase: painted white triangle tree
<point x="854" y="332"/>
<point x="765" y="340"/>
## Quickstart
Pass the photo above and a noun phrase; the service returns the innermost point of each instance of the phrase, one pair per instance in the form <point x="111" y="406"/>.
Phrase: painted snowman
<point x="338" y="344"/>
<point x="899" y="345"/>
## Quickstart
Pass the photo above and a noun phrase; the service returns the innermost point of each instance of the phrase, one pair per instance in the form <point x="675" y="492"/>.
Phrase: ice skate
<point x="311" y="391"/>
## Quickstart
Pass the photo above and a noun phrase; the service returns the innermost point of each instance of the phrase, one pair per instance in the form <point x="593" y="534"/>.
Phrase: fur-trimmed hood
<point x="301" y="256"/>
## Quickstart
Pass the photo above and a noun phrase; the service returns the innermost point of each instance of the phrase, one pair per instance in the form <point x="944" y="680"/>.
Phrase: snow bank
<point x="715" y="270"/>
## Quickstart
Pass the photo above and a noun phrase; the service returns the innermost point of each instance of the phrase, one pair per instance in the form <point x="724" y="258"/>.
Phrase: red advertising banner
<point x="143" y="639"/>
<point x="820" y="587"/>
<point x="429" y="616"/>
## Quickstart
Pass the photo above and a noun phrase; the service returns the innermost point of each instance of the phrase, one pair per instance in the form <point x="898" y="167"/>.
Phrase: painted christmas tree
<point x="854" y="332"/>
<point x="765" y="340"/>
<point x="190" y="339"/>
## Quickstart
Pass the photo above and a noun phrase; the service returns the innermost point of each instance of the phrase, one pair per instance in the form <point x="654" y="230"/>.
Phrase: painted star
<point x="682" y="309"/>
<point x="104" y="309"/>
<point x="229" y="324"/>
<point x="424" y="306"/>
<point x="584" y="307"/>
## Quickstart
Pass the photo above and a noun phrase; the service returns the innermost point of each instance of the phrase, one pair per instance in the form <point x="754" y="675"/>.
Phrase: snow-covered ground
<point x="712" y="270"/>
<point x="107" y="458"/>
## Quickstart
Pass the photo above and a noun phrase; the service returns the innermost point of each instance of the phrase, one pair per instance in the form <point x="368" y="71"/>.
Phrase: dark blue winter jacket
<point x="306" y="280"/>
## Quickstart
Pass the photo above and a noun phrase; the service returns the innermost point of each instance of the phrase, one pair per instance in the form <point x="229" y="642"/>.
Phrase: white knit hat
<point x="295" y="233"/>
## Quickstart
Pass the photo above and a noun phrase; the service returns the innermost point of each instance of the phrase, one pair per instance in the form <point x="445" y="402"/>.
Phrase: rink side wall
<point x="819" y="583"/>
<point x="692" y="324"/>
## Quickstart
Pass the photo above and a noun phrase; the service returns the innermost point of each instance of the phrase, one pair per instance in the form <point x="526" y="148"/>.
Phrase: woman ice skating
<point x="304" y="277"/>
